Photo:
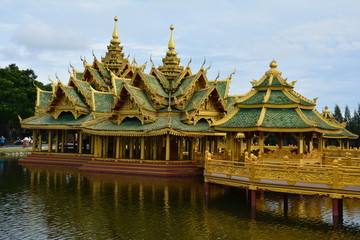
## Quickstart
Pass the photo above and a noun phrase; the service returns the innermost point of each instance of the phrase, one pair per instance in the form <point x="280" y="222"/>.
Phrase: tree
<point x="337" y="114"/>
<point x="347" y="115"/>
<point x="17" y="97"/>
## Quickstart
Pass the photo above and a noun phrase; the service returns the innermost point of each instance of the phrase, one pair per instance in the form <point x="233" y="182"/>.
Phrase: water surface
<point x="60" y="203"/>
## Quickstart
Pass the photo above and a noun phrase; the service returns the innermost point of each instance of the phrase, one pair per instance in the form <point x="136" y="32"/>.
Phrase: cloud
<point x="36" y="35"/>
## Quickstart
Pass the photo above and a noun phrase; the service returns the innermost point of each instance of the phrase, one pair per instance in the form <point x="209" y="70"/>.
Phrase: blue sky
<point x="316" y="43"/>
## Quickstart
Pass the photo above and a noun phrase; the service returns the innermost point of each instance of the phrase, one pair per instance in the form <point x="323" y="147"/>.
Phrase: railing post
<point x="337" y="179"/>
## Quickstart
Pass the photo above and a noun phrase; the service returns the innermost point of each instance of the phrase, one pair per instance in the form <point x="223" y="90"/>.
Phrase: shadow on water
<point x="38" y="202"/>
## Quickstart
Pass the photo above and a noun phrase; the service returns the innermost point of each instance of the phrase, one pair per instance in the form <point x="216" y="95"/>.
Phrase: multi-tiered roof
<point x="114" y="97"/>
<point x="274" y="106"/>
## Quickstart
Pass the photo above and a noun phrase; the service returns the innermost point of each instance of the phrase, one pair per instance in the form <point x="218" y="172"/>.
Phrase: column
<point x="117" y="147"/>
<point x="154" y="148"/>
<point x="142" y="148"/>
<point x="34" y="140"/>
<point x="320" y="142"/>
<point x="261" y="139"/>
<point x="167" y="151"/>
<point x="63" y="140"/>
<point x="49" y="140"/>
<point x="337" y="211"/>
<point x="253" y="203"/>
<point x="80" y="142"/>
<point x="40" y="140"/>
<point x="131" y="147"/>
<point x="57" y="141"/>
<point x="181" y="148"/>
<point x="300" y="143"/>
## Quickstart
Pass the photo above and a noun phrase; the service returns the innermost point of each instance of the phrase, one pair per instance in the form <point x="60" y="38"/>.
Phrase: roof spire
<point x="171" y="44"/>
<point x="171" y="67"/>
<point x="115" y="40"/>
<point x="273" y="71"/>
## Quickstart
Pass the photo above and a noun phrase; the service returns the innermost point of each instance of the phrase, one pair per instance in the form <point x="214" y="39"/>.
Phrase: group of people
<point x="25" y="142"/>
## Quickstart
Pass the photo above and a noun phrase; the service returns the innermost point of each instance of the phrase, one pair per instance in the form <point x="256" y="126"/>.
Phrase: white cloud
<point x="37" y="35"/>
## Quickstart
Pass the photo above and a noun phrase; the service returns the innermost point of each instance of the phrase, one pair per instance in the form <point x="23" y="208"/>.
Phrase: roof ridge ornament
<point x="273" y="69"/>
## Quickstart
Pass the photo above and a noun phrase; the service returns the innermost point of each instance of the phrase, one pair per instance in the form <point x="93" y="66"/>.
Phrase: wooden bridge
<point x="339" y="178"/>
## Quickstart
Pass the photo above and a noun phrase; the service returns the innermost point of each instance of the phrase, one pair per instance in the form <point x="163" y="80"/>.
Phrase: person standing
<point x="2" y="141"/>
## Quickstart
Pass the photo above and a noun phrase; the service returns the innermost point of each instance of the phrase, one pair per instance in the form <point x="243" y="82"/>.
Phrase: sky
<point x="316" y="43"/>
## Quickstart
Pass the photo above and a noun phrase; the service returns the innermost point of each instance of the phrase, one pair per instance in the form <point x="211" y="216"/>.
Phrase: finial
<point x="217" y="77"/>
<point x="202" y="66"/>
<point x="115" y="40"/>
<point x="326" y="111"/>
<point x="207" y="68"/>
<point x="273" y="70"/>
<point x="152" y="63"/>
<point x="273" y="64"/>
<point x="188" y="65"/>
<point x="171" y="45"/>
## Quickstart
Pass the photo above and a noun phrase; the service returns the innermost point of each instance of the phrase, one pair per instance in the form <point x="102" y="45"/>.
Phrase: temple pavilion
<point x="114" y="112"/>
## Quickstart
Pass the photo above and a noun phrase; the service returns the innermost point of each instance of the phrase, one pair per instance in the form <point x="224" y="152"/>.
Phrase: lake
<point x="38" y="202"/>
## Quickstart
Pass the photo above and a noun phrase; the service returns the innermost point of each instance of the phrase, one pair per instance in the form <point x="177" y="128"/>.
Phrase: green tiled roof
<point x="103" y="102"/>
<point x="155" y="85"/>
<point x="222" y="86"/>
<point x="278" y="97"/>
<point x="319" y="122"/>
<point x="75" y="96"/>
<point x="85" y="87"/>
<point x="65" y="118"/>
<point x="44" y="99"/>
<point x="302" y="101"/>
<point x="142" y="98"/>
<point x="196" y="98"/>
<point x="98" y="76"/>
<point x="257" y="98"/>
<point x="282" y="118"/>
<point x="103" y="69"/>
<point x="275" y="83"/>
<point x="119" y="83"/>
<point x="134" y="124"/>
<point x="79" y="75"/>
<point x="344" y="134"/>
<point x="184" y="85"/>
<point x="243" y="118"/>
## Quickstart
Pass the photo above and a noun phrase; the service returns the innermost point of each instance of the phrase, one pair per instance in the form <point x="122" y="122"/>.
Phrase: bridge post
<point x="253" y="202"/>
<point x="337" y="211"/>
<point x="286" y="204"/>
<point x="207" y="193"/>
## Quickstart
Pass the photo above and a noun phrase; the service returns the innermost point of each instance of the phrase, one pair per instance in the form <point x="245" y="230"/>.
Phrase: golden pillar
<point x="181" y="148"/>
<point x="300" y="143"/>
<point x="63" y="140"/>
<point x="40" y="140"/>
<point x="49" y="140"/>
<point x="131" y="147"/>
<point x="117" y="147"/>
<point x="57" y="141"/>
<point x="167" y="151"/>
<point x="33" y="148"/>
<point x="142" y="148"/>
<point x="80" y="142"/>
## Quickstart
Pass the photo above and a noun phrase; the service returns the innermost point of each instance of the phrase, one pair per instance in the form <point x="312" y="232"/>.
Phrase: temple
<point x="114" y="117"/>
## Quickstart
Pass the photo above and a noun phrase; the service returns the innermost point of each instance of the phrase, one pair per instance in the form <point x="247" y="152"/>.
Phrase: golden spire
<point x="171" y="44"/>
<point x="171" y="68"/>
<point x="115" y="40"/>
<point x="273" y="71"/>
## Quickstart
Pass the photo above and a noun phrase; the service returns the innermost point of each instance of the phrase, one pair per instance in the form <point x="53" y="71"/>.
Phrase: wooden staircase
<point x="148" y="169"/>
<point x="55" y="159"/>
<point x="86" y="163"/>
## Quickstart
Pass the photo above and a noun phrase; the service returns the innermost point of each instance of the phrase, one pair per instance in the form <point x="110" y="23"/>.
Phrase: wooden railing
<point x="335" y="176"/>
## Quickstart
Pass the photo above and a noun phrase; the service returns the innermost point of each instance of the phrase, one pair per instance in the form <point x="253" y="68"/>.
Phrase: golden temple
<point x="113" y="117"/>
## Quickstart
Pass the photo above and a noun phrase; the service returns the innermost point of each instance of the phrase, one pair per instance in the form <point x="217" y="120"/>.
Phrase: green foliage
<point x="337" y="114"/>
<point x="17" y="97"/>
